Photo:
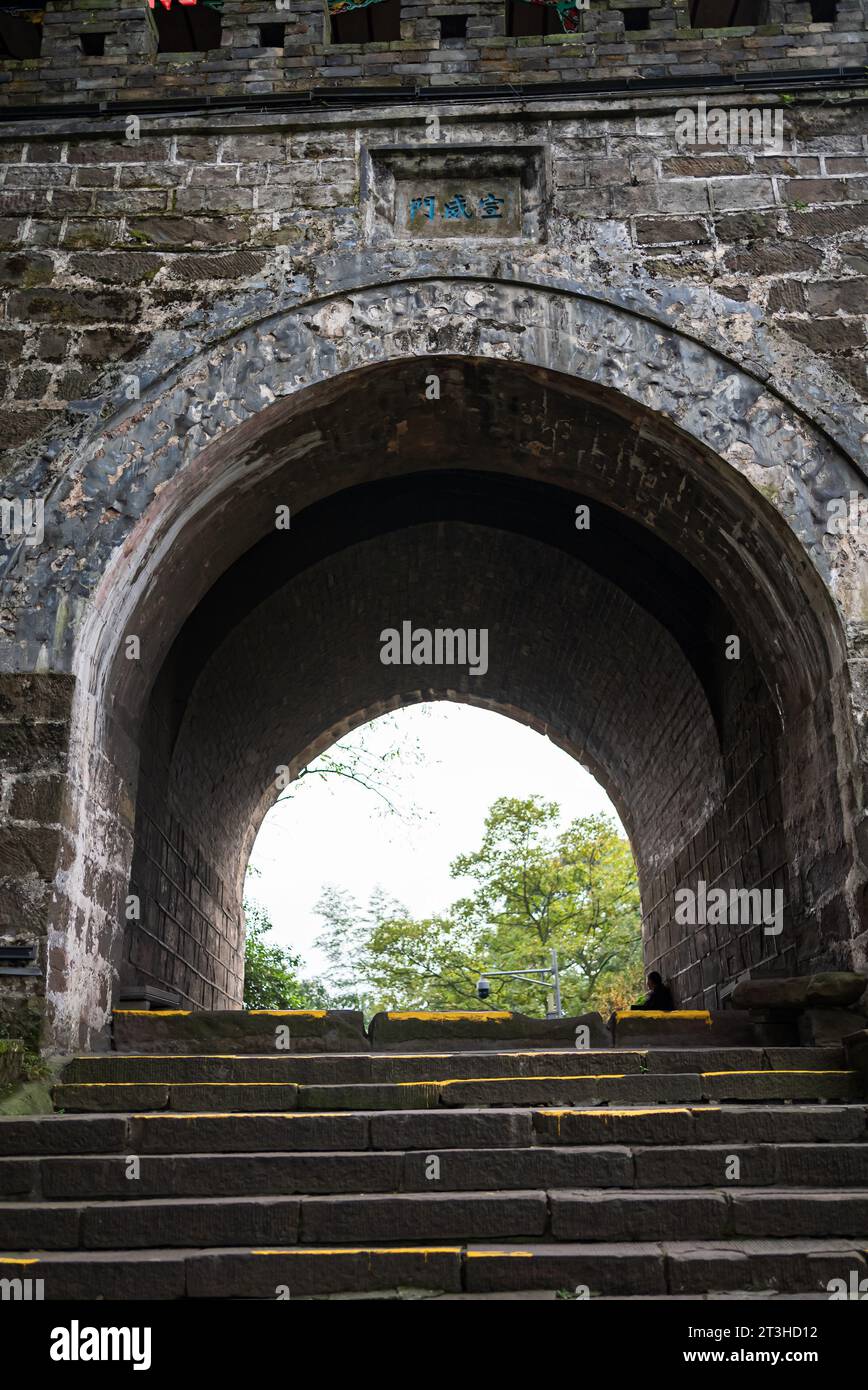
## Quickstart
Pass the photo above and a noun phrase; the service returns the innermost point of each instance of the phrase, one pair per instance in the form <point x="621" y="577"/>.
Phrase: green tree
<point x="382" y="958"/>
<point x="374" y="757"/>
<point x="271" y="978"/>
<point x="535" y="888"/>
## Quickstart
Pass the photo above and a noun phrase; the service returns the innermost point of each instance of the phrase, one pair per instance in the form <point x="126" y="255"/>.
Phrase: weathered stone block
<point x="307" y="1030"/>
<point x="479" y="1029"/>
<point x="688" y="1028"/>
<point x="832" y="990"/>
<point x="38" y="800"/>
<point x="819" y="1027"/>
<point x="657" y="231"/>
<point x="123" y="267"/>
<point x="72" y="306"/>
<point x="25" y="268"/>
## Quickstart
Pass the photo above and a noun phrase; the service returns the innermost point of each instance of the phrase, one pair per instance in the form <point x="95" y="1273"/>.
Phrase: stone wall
<point x="34" y="737"/>
<point x="108" y="241"/>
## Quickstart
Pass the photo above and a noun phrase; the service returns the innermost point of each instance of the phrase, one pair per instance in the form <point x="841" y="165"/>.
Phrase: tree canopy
<point x="535" y="888"/>
<point x="271" y="978"/>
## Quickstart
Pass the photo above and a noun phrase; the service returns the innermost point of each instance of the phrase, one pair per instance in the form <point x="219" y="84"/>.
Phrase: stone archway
<point x="707" y="493"/>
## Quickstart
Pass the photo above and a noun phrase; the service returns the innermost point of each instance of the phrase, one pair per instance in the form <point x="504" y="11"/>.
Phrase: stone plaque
<point x="454" y="192"/>
<point x="447" y="208"/>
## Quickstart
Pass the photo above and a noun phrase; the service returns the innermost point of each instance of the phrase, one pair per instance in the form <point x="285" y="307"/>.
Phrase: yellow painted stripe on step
<point x="605" y="1113"/>
<point x="5" y="1261"/>
<point x="663" y="1013"/>
<point x="434" y="1081"/>
<point x="478" y="1016"/>
<point x="119" y="1085"/>
<point x="371" y="1250"/>
<point x="285" y="1013"/>
<point x="487" y="1080"/>
<point x="231" y="1056"/>
<point x="448" y="1081"/>
<point x="184" y="1057"/>
<point x="436" y="1056"/>
<point x="154" y="1013"/>
<point x="500" y="1254"/>
<point x="501" y="1052"/>
<point x="810" y="1071"/>
<point x="608" y="1114"/>
<point x="241" y="1115"/>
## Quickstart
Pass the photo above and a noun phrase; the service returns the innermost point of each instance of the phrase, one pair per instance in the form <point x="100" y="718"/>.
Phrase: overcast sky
<point x="333" y="832"/>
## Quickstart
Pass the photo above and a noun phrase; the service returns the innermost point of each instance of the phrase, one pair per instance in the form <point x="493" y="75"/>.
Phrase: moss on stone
<point x="24" y="1080"/>
<point x="28" y="1098"/>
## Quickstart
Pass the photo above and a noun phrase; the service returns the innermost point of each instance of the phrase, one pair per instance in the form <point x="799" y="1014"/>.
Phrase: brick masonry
<point x="783" y="40"/>
<point x="211" y="320"/>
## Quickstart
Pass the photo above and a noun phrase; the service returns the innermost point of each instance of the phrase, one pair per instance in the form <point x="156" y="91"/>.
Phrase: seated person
<point x="659" y="996"/>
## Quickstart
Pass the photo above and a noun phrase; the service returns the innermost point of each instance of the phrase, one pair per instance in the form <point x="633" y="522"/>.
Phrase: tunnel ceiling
<point x="513" y="448"/>
<point x="653" y="576"/>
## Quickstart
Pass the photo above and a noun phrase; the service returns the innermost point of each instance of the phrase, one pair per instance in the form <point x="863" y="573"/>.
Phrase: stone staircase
<point x="656" y="1172"/>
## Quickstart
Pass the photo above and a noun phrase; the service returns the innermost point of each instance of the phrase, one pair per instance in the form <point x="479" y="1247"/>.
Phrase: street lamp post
<point x="543" y="971"/>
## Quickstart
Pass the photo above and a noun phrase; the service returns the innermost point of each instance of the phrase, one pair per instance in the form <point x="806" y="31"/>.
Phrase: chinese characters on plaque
<point x="457" y="208"/>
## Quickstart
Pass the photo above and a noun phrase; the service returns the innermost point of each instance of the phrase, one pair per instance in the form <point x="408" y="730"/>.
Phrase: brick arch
<point x="560" y="390"/>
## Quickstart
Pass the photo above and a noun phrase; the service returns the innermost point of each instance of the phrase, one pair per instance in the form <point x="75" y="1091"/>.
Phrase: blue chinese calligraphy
<point x="429" y="203"/>
<point x="455" y="209"/>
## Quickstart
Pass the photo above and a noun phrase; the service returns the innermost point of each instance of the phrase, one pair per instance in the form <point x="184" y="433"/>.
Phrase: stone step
<point x="343" y="1030"/>
<point x="703" y="1124"/>
<point x="207" y="1221"/>
<point x="237" y="1030"/>
<point x="587" y="1215"/>
<point x="294" y="1132"/>
<point x="267" y="1174"/>
<point x="651" y="1088"/>
<point x="688" y="1027"/>
<point x="399" y="1031"/>
<point x="667" y="1268"/>
<point x="753" y="1268"/>
<point x="373" y="1067"/>
<point x="709" y="1214"/>
<point x="353" y="1069"/>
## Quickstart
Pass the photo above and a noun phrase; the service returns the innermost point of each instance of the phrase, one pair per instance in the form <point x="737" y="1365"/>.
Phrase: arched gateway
<point x="223" y="553"/>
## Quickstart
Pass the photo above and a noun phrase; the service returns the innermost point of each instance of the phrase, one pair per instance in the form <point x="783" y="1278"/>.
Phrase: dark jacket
<point x="659" y="998"/>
